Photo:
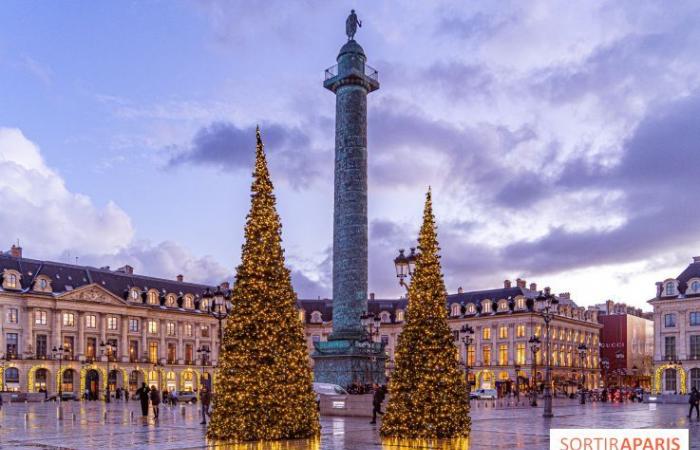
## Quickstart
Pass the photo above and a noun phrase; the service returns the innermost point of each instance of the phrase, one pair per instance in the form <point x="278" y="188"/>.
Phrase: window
<point x="503" y="305"/>
<point x="455" y="335"/>
<point x="695" y="378"/>
<point x="399" y="315"/>
<point x="170" y="328"/>
<point x="385" y="340"/>
<point x="503" y="332"/>
<point x="188" y="354"/>
<point x="152" y="298"/>
<point x="486" y="306"/>
<point x="471" y="356"/>
<point x="188" y="329"/>
<point x="520" y="303"/>
<point x="486" y="333"/>
<point x="188" y="303"/>
<point x="455" y="309"/>
<point x="43" y="284"/>
<point x="68" y="320"/>
<point x="204" y="329"/>
<point x="503" y="354"/>
<point x="669" y="320"/>
<point x="11" y="345"/>
<point x="11" y="281"/>
<point x="486" y="353"/>
<point x="68" y="342"/>
<point x="670" y="288"/>
<point x="520" y="331"/>
<point x="114" y="351"/>
<point x="12" y="375"/>
<point x="520" y="353"/>
<point x="385" y="317"/>
<point x="695" y="287"/>
<point x="39" y="317"/>
<point x="133" y="351"/>
<point x="111" y="323"/>
<point x="91" y="348"/>
<point x="12" y="315"/>
<point x="170" y="300"/>
<point x="471" y="308"/>
<point x="316" y="317"/>
<point x="152" y="326"/>
<point x="670" y="347"/>
<point x="302" y="316"/>
<point x="695" y="346"/>
<point x="670" y="380"/>
<point x="91" y="321"/>
<point x="134" y="325"/>
<point x="41" y="346"/>
<point x="204" y="304"/>
<point x="538" y="330"/>
<point x="171" y="353"/>
<point x="153" y="352"/>
<point x="695" y="318"/>
<point x="134" y="295"/>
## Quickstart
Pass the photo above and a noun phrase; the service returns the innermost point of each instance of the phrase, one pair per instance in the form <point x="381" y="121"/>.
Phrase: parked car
<point x="327" y="389"/>
<point x="484" y="394"/>
<point x="65" y="396"/>
<point x="186" y="397"/>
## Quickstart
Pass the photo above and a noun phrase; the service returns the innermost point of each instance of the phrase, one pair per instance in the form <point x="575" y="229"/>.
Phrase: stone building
<point x="159" y="330"/>
<point x="504" y="320"/>
<point x="677" y="331"/>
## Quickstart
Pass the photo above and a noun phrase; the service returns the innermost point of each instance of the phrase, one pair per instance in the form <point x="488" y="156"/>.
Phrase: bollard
<point x="26" y="417"/>
<point x="73" y="417"/>
<point x="182" y="410"/>
<point x="59" y="412"/>
<point x="131" y="415"/>
<point x="104" y="416"/>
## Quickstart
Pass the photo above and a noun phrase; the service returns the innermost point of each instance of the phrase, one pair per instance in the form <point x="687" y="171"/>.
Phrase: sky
<point x="560" y="139"/>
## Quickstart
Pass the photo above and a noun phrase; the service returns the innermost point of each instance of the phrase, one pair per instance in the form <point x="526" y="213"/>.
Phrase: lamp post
<point x="58" y="353"/>
<point x="619" y="356"/>
<point x="605" y="363"/>
<point x="219" y="307"/>
<point x="405" y="266"/>
<point x="582" y="354"/>
<point x="548" y="302"/>
<point x="467" y="333"/>
<point x="534" y="348"/>
<point x="371" y="324"/>
<point x="106" y="351"/>
<point x="2" y="372"/>
<point x="202" y="352"/>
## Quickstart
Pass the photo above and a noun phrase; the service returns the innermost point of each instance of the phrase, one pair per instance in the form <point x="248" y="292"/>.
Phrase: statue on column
<point x="351" y="25"/>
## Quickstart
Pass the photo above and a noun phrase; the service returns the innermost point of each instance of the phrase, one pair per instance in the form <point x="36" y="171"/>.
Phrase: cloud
<point x="227" y="146"/>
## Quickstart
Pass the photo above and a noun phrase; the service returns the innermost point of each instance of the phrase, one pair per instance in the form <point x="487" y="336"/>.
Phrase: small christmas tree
<point x="264" y="382"/>
<point x="428" y="391"/>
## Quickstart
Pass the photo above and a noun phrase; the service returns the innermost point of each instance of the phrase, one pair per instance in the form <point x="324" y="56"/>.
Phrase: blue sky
<point x="559" y="138"/>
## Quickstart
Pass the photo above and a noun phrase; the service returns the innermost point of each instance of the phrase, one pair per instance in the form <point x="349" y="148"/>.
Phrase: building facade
<point x="503" y="320"/>
<point x="677" y="332"/>
<point x="113" y="327"/>
<point x="626" y="345"/>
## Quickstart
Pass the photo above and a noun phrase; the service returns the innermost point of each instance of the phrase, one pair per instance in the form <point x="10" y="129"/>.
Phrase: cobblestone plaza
<point x="97" y="425"/>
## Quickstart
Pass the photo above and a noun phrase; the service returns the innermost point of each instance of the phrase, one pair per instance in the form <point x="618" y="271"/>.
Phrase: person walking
<point x="205" y="400"/>
<point x="377" y="399"/>
<point x="155" y="401"/>
<point x="694" y="403"/>
<point x="126" y="395"/>
<point x="142" y="394"/>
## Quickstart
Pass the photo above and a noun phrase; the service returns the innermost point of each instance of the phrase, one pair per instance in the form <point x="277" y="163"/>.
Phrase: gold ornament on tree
<point x="427" y="390"/>
<point x="264" y="382"/>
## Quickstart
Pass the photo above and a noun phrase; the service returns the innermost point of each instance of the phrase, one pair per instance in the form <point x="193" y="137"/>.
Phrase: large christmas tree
<point x="428" y="392"/>
<point x="264" y="382"/>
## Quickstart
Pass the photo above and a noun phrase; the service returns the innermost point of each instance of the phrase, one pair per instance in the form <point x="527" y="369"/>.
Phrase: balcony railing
<point x="370" y="72"/>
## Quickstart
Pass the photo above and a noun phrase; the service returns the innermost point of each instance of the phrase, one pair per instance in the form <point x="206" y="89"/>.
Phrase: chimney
<point x="225" y="286"/>
<point x="180" y="278"/>
<point x="659" y="288"/>
<point x="127" y="269"/>
<point x="460" y="290"/>
<point x="371" y="295"/>
<point x="533" y="286"/>
<point x="695" y="258"/>
<point x="16" y="251"/>
<point x="506" y="284"/>
<point x="565" y="295"/>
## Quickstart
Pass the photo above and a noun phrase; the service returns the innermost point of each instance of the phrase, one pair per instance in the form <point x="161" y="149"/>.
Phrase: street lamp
<point x="106" y="350"/>
<point x="467" y="333"/>
<point x="582" y="353"/>
<point x="405" y="266"/>
<point x="219" y="306"/>
<point x="58" y="353"/>
<point x="2" y="377"/>
<point x="535" y="348"/>
<point x="619" y="356"/>
<point x="202" y="352"/>
<point x="548" y="302"/>
<point x="371" y="324"/>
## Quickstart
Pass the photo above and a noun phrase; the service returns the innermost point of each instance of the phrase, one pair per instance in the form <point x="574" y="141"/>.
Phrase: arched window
<point x="399" y="315"/>
<point x="695" y="378"/>
<point x="670" y="380"/>
<point x="455" y="309"/>
<point x="170" y="300"/>
<point x="204" y="304"/>
<point x="12" y="378"/>
<point x="503" y="305"/>
<point x="302" y="315"/>
<point x="486" y="306"/>
<point x="152" y="297"/>
<point x="188" y="303"/>
<point x="695" y="287"/>
<point x="385" y="317"/>
<point x="670" y="288"/>
<point x="520" y="303"/>
<point x="316" y="317"/>
<point x="134" y="294"/>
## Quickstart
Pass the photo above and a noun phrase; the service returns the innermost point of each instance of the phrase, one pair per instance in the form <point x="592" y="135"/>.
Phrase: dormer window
<point x="455" y="310"/>
<point x="188" y="302"/>
<point x="302" y="315"/>
<point x="670" y="288"/>
<point x="316" y="317"/>
<point x="153" y="297"/>
<point x="134" y="295"/>
<point x="695" y="287"/>
<point x="399" y="315"/>
<point x="10" y="279"/>
<point x="486" y="306"/>
<point x="204" y="304"/>
<point x="42" y="284"/>
<point x="520" y="303"/>
<point x="471" y="308"/>
<point x="385" y="317"/>
<point x="503" y="305"/>
<point x="170" y="300"/>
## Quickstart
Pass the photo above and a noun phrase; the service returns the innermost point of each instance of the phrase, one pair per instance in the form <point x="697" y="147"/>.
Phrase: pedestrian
<point x="694" y="403"/>
<point x="166" y="397"/>
<point x="377" y="399"/>
<point x="173" y="398"/>
<point x="205" y="400"/>
<point x="86" y="395"/>
<point x="118" y="394"/>
<point x="142" y="394"/>
<point x="126" y="395"/>
<point x="155" y="400"/>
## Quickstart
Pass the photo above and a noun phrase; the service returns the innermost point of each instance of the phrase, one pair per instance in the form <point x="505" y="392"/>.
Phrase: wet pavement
<point x="94" y="425"/>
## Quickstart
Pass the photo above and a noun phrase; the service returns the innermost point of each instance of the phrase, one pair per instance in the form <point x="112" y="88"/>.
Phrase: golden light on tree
<point x="264" y="382"/>
<point x="427" y="390"/>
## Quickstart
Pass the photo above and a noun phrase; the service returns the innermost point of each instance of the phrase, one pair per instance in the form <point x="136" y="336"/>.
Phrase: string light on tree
<point x="428" y="391"/>
<point x="264" y="382"/>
